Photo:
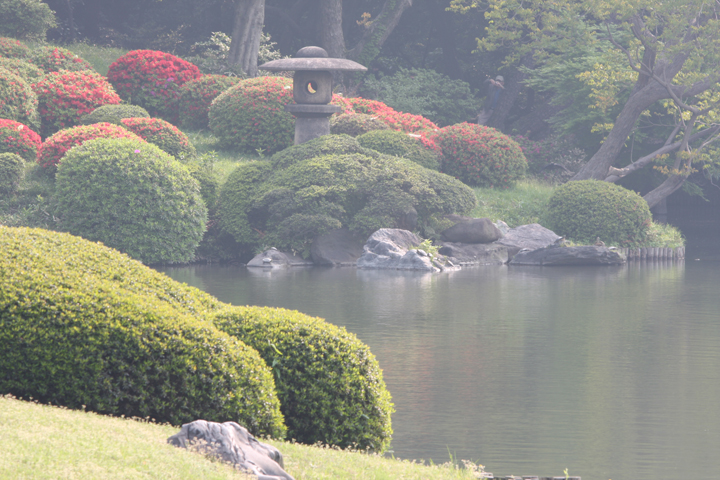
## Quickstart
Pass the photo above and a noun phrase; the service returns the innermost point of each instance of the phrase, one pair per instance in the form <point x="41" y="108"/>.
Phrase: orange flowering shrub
<point x="54" y="148"/>
<point x="161" y="133"/>
<point x="197" y="95"/>
<point x="65" y="96"/>
<point x="251" y="115"/>
<point x="53" y="59"/>
<point x="403" y="122"/>
<point x="152" y="79"/>
<point x="19" y="139"/>
<point x="480" y="155"/>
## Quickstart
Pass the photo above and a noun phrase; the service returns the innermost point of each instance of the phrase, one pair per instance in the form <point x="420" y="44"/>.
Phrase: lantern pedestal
<point x="311" y="121"/>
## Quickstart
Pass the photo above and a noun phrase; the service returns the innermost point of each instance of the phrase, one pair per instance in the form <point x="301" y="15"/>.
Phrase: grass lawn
<point x="43" y="442"/>
<point x="524" y="203"/>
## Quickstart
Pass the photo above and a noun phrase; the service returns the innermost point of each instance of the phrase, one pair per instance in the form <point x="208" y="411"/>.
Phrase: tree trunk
<point x="245" y="44"/>
<point x="665" y="189"/>
<point x="448" y="42"/>
<point x="378" y="30"/>
<point x="330" y="31"/>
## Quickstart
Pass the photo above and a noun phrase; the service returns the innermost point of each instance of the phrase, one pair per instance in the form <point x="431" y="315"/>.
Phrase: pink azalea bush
<point x="403" y="122"/>
<point x="53" y="59"/>
<point x="161" y="133"/>
<point x="18" y="138"/>
<point x="197" y="95"/>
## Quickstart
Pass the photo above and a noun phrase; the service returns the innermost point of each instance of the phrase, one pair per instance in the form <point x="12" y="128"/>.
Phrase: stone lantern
<point x="312" y="89"/>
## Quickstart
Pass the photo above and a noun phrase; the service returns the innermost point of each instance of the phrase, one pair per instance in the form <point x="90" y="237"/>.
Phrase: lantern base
<point x="311" y="121"/>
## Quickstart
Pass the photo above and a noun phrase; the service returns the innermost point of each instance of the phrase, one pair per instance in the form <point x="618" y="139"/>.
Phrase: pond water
<point x="611" y="372"/>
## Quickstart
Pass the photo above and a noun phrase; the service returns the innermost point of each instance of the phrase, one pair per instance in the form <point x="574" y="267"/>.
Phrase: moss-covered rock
<point x="399" y="144"/>
<point x="587" y="209"/>
<point x="85" y="326"/>
<point x="329" y="383"/>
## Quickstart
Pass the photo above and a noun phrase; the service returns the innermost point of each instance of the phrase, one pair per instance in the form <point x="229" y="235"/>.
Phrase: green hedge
<point x="113" y="114"/>
<point x="12" y="171"/>
<point x="355" y="124"/>
<point x="132" y="196"/>
<point x="587" y="209"/>
<point x="329" y="383"/>
<point x="80" y="330"/>
<point x="400" y="144"/>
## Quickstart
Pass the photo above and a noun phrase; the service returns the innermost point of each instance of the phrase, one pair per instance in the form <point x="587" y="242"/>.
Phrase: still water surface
<point x="611" y="372"/>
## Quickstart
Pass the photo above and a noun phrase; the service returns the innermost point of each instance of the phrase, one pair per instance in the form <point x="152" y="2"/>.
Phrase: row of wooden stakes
<point x="653" y="253"/>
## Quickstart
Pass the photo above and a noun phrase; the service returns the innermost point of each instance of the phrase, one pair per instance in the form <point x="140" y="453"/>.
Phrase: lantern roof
<point x="312" y="58"/>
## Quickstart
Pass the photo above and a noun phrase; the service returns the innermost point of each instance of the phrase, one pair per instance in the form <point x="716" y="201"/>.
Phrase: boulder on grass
<point x="474" y="230"/>
<point x="531" y="236"/>
<point x="558" y="256"/>
<point x="232" y="444"/>
<point x="274" y="258"/>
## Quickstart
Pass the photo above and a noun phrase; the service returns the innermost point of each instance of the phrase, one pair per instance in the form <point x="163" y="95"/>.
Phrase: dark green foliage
<point x="355" y="124"/>
<point x="587" y="209"/>
<point x="330" y="385"/>
<point x="325" y="145"/>
<point x="400" y="144"/>
<point x="427" y="93"/>
<point x="113" y="114"/>
<point x="288" y="204"/>
<point x="12" y="170"/>
<point x="132" y="196"/>
<point x="25" y="19"/>
<point x="84" y="326"/>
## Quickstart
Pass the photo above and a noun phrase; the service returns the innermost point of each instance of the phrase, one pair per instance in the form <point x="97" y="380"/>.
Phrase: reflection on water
<point x="613" y="373"/>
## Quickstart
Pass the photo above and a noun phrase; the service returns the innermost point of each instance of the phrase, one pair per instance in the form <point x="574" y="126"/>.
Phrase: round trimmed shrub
<point x="403" y="122"/>
<point x="54" y="59"/>
<point x="480" y="155"/>
<point x="131" y="196"/>
<point x="325" y="145"/>
<point x="18" y="139"/>
<point x="587" y="209"/>
<point x="330" y="385"/>
<point x="13" y="48"/>
<point x="64" y="97"/>
<point x="17" y="100"/>
<point x="12" y="171"/>
<point x="197" y="95"/>
<point x="355" y="124"/>
<point x="54" y="148"/>
<point x="113" y="114"/>
<point x="152" y="79"/>
<point x="163" y="134"/>
<point x="22" y="68"/>
<point x="84" y="326"/>
<point x="25" y="19"/>
<point x="250" y="116"/>
<point x="399" y="144"/>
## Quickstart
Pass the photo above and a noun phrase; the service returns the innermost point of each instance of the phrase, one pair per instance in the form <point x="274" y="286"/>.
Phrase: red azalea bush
<point x="403" y="122"/>
<point x="163" y="134"/>
<point x="65" y="96"/>
<point x="17" y="100"/>
<point x="19" y="139"/>
<point x="11" y="48"/>
<point x="480" y="155"/>
<point x="250" y="116"/>
<point x="152" y="80"/>
<point x="22" y="68"/>
<point x="197" y="95"/>
<point x="54" y="59"/>
<point x="54" y="148"/>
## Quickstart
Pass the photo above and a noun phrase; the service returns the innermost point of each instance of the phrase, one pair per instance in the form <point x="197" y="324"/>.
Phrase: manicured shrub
<point x="54" y="148"/>
<point x="480" y="155"/>
<point x="19" y="139"/>
<point x="262" y="204"/>
<point x="330" y="385"/>
<point x="587" y="209"/>
<point x="131" y="196"/>
<point x="25" y="19"/>
<point x="152" y="80"/>
<point x="13" y="48"/>
<point x="403" y="122"/>
<point x="250" y="116"/>
<point x="55" y="59"/>
<point x="425" y="92"/>
<point x="355" y="124"/>
<point x="163" y="134"/>
<point x="64" y="97"/>
<point x="399" y="144"/>
<point x="197" y="95"/>
<point x="81" y="330"/>
<point x="113" y="114"/>
<point x="325" y="145"/>
<point x="12" y="171"/>
<point x="22" y="68"/>
<point x="17" y="100"/>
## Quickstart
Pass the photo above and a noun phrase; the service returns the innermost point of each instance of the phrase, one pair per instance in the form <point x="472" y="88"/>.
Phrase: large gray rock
<point x="531" y="236"/>
<point x="557" y="256"/>
<point x="338" y="247"/>
<point x="392" y="248"/>
<point x="474" y="254"/>
<point x="475" y="230"/>
<point x="274" y="258"/>
<point x="233" y="444"/>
